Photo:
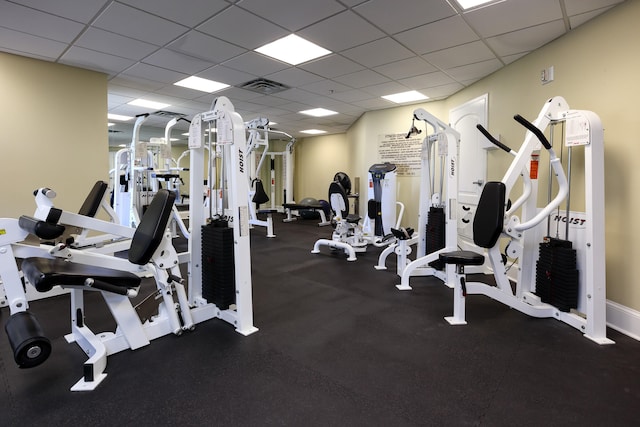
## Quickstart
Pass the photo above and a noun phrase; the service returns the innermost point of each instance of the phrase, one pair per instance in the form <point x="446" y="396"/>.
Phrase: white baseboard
<point x="623" y="319"/>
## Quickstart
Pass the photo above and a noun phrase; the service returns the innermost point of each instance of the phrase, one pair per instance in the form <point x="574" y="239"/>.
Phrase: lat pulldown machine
<point x="437" y="228"/>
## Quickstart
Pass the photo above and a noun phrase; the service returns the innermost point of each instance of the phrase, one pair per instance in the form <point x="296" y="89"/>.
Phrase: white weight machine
<point x="437" y="228"/>
<point x="349" y="234"/>
<point x="168" y="309"/>
<point x="496" y="220"/>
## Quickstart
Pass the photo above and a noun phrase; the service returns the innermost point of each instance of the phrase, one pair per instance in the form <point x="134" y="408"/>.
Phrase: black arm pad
<point x="42" y="229"/>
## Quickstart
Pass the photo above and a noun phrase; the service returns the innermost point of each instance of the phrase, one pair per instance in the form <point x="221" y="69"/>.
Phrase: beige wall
<point x="596" y="68"/>
<point x="54" y="132"/>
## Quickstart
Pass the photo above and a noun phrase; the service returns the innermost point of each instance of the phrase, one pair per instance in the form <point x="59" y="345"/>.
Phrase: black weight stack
<point x="218" y="269"/>
<point x="435" y="234"/>
<point x="557" y="275"/>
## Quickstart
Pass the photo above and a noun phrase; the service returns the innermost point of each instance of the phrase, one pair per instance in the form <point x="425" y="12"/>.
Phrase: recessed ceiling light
<point x="293" y="50"/>
<point x="148" y="104"/>
<point x="313" y="131"/>
<point x="409" y="96"/>
<point x="110" y="124"/>
<point x="203" y="85"/>
<point x="318" y="112"/>
<point x="118" y="117"/>
<point x="469" y="4"/>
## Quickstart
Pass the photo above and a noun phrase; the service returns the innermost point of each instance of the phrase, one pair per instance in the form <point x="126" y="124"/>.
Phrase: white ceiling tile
<point x="189" y="13"/>
<point x="427" y="80"/>
<point x="179" y="92"/>
<point x="325" y="87"/>
<point x="331" y="66"/>
<point x="429" y="38"/>
<point x="378" y="52"/>
<point x="85" y="58"/>
<point x="479" y="69"/>
<point x="144" y="85"/>
<point x="400" y="15"/>
<point x="292" y="14"/>
<point x="77" y="10"/>
<point x="114" y="44"/>
<point x="386" y="88"/>
<point x="512" y="15"/>
<point x="27" y="44"/>
<point x="405" y="68"/>
<point x="508" y="59"/>
<point x="222" y="74"/>
<point x="527" y="39"/>
<point x="460" y="55"/>
<point x="361" y="79"/>
<point x="204" y="47"/>
<point x="294" y="77"/>
<point x="440" y="91"/>
<point x="576" y="20"/>
<point x="341" y="32"/>
<point x="125" y="20"/>
<point x="351" y="95"/>
<point x="575" y="7"/>
<point x="255" y="32"/>
<point x="146" y="71"/>
<point x="296" y="95"/>
<point x="175" y="61"/>
<point x="254" y="63"/>
<point x="239" y="94"/>
<point x="375" y="103"/>
<point x="115" y="99"/>
<point x="269" y="101"/>
<point x="40" y="24"/>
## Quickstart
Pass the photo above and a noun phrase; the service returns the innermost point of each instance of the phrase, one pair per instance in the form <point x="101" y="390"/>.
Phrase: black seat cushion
<point x="336" y="188"/>
<point x="45" y="273"/>
<point x="462" y="258"/>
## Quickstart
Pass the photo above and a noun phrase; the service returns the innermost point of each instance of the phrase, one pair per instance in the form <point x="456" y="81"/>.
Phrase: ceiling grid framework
<point x="378" y="47"/>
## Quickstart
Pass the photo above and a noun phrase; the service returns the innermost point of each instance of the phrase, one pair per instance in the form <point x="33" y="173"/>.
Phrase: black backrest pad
<point x="151" y="229"/>
<point x="336" y="188"/>
<point x="489" y="218"/>
<point x="92" y="202"/>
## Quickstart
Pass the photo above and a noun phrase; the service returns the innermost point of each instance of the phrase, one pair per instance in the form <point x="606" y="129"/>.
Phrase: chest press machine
<point x="495" y="220"/>
<point x="167" y="310"/>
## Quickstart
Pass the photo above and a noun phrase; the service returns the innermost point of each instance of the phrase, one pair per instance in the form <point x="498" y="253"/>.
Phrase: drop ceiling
<point x="379" y="47"/>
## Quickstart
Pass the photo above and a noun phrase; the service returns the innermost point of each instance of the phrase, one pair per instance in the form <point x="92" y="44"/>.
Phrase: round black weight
<point x="30" y="346"/>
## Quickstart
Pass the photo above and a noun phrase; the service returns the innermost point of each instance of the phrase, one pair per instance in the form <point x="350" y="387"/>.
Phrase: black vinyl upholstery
<point x="336" y="188"/>
<point x="149" y="233"/>
<point x="489" y="217"/>
<point x="44" y="273"/>
<point x="92" y="202"/>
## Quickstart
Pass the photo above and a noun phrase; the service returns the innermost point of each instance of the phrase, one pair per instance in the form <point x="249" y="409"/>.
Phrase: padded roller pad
<point x="42" y="229"/>
<point x="45" y="273"/>
<point x="462" y="258"/>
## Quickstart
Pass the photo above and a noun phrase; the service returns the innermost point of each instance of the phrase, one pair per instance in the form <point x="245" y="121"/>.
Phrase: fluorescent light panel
<point x="469" y="4"/>
<point x="203" y="85"/>
<point x="318" y="112"/>
<point x="313" y="131"/>
<point x="148" y="104"/>
<point x="402" y="97"/>
<point x="293" y="50"/>
<point x="118" y="117"/>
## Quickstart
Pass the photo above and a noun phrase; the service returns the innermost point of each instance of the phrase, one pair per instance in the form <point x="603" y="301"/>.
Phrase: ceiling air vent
<point x="163" y="113"/>
<point x="264" y="86"/>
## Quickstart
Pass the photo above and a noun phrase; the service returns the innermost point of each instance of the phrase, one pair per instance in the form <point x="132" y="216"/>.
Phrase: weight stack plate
<point x="557" y="278"/>
<point x="218" y="268"/>
<point x="435" y="234"/>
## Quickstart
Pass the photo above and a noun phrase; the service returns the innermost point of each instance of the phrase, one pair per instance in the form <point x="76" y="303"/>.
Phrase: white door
<point x="472" y="161"/>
